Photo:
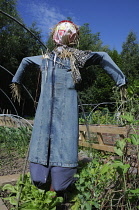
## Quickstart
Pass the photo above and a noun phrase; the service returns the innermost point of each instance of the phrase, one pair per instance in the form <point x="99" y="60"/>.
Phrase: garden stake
<point x="86" y="123"/>
<point x="23" y="175"/>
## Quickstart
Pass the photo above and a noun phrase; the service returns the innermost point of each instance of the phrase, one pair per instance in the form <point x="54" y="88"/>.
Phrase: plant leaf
<point x="12" y="201"/>
<point x="135" y="139"/>
<point x="9" y="187"/>
<point x="136" y="191"/>
<point x="105" y="168"/>
<point x="118" y="151"/>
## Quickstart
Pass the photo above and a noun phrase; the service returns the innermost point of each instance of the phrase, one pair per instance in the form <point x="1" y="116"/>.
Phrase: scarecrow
<point x="54" y="141"/>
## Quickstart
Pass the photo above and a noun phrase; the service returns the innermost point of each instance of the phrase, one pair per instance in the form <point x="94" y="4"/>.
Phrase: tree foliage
<point x="130" y="57"/>
<point x="96" y="86"/>
<point x="15" y="44"/>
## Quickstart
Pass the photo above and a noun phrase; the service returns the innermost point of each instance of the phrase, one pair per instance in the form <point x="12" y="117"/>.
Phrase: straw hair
<point x="16" y="92"/>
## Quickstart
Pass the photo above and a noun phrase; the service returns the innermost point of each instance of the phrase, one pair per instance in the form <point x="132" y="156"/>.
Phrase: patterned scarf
<point x="77" y="58"/>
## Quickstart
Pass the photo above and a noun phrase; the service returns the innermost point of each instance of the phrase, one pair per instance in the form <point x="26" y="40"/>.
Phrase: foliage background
<point x="96" y="87"/>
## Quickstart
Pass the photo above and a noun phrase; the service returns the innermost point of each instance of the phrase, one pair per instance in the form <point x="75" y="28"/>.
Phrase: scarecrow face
<point x="66" y="33"/>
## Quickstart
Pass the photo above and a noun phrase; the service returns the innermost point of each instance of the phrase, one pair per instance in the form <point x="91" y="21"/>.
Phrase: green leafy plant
<point x="94" y="182"/>
<point x="112" y="183"/>
<point x="16" y="139"/>
<point x="31" y="197"/>
<point x="106" y="186"/>
<point x="101" y="116"/>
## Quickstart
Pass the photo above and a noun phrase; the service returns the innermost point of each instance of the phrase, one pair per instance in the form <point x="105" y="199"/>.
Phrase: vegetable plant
<point x="31" y="197"/>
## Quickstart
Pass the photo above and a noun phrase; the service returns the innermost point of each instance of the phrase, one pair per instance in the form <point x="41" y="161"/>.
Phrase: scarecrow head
<point x="65" y="33"/>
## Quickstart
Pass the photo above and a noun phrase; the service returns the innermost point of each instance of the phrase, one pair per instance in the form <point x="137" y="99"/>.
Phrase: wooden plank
<point x="2" y="205"/>
<point x="97" y="146"/>
<point x="100" y="138"/>
<point x="105" y="129"/>
<point x="8" y="179"/>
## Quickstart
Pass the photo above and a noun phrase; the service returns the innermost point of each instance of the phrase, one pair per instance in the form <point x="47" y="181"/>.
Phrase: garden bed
<point x="12" y="166"/>
<point x="11" y="163"/>
<point x="105" y="180"/>
<point x="86" y="174"/>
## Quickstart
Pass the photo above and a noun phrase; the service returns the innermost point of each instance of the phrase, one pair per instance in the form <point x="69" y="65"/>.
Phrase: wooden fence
<point x="103" y="137"/>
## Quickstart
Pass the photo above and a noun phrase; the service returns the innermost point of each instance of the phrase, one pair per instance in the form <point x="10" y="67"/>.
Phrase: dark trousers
<point x="61" y="177"/>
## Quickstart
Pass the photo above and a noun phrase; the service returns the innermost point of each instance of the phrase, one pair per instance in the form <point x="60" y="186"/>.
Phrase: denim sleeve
<point x="105" y="61"/>
<point x="36" y="60"/>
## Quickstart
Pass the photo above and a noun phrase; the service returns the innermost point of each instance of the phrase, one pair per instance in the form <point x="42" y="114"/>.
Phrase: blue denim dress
<point x="54" y="140"/>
